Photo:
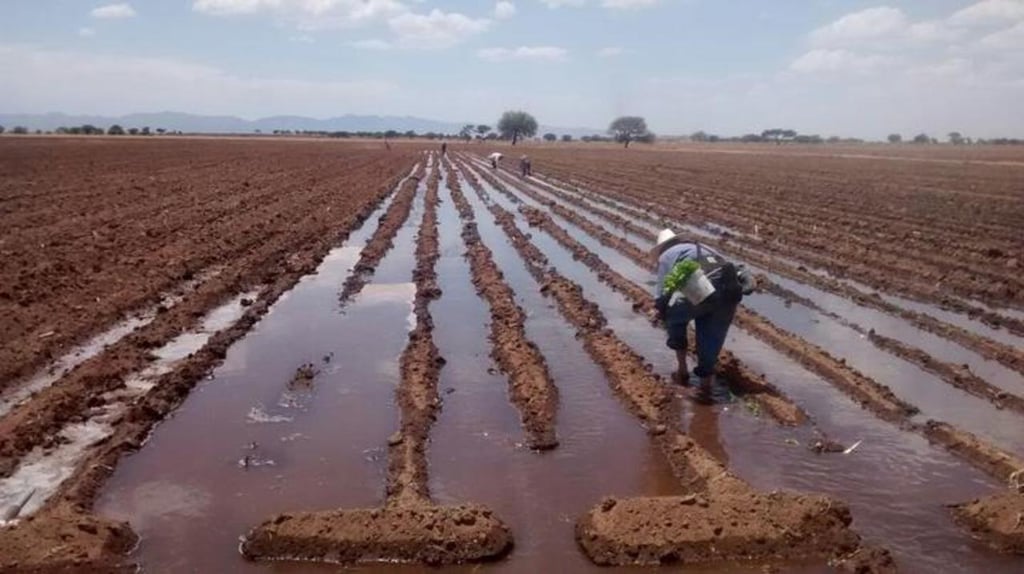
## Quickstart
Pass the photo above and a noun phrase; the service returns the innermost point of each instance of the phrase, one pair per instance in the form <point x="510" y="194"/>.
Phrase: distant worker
<point x="495" y="158"/>
<point x="387" y="144"/>
<point x="524" y="166"/>
<point x="444" y="149"/>
<point x="709" y="299"/>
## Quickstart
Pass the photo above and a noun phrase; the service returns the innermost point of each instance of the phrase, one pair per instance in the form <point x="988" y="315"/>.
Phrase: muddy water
<point x="245" y="446"/>
<point x="934" y="397"/>
<point x="896" y="328"/>
<point x="952" y="317"/>
<point x="895" y="482"/>
<point x="476" y="452"/>
<point x="958" y="319"/>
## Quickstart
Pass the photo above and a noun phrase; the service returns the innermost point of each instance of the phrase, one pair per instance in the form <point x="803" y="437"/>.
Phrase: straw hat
<point x="666" y="238"/>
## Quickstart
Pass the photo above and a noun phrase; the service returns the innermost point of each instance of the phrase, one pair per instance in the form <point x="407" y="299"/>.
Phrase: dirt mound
<point x="868" y="560"/>
<point x="428" y="534"/>
<point x="700" y="529"/>
<point x="998" y="520"/>
<point x="65" y="541"/>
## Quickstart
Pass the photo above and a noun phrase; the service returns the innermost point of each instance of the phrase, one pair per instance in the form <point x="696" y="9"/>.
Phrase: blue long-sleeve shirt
<point x="678" y="252"/>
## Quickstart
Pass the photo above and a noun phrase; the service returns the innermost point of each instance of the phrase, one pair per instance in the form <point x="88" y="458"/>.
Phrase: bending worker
<point x="712" y="317"/>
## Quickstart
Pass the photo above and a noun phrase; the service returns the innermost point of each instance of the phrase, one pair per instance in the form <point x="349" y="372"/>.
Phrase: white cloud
<point x="43" y="81"/>
<point x="820" y="60"/>
<point x="308" y="14"/>
<point x="113" y="11"/>
<point x="1010" y="39"/>
<point x="628" y="4"/>
<point x="861" y="26"/>
<point x="374" y="44"/>
<point x="990" y="11"/>
<point x="435" y="30"/>
<point x="611" y="52"/>
<point x="504" y="10"/>
<point x="543" y="53"/>
<point x="86" y="32"/>
<point x="560" y="3"/>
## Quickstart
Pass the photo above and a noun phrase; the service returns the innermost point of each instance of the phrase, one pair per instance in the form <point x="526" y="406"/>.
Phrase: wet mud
<point x="740" y="379"/>
<point x="530" y="384"/>
<point x="1007" y="355"/>
<point x="408" y="527"/>
<point x="649" y="398"/>
<point x="383" y="238"/>
<point x="872" y="395"/>
<point x="996" y="520"/>
<point x="279" y="262"/>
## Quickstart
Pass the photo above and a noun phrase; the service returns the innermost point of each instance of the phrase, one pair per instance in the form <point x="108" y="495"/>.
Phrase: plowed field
<point x="342" y="353"/>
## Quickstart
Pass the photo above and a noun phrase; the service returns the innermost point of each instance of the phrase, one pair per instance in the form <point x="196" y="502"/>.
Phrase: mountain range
<point x="200" y="124"/>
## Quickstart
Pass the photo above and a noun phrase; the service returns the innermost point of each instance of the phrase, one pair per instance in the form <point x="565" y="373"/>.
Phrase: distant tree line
<point x="114" y="130"/>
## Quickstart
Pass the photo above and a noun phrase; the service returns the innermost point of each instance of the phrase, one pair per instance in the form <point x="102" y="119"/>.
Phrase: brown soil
<point x="740" y="379"/>
<point x="992" y="460"/>
<point x="871" y="394"/>
<point x="427" y="534"/>
<point x="303" y="377"/>
<point x="383" y="238"/>
<point x="318" y="219"/>
<point x="409" y="528"/>
<point x="1009" y="356"/>
<point x="139" y="217"/>
<point x="888" y="214"/>
<point x="644" y="530"/>
<point x="66" y="541"/>
<point x="868" y="560"/>
<point x="531" y="388"/>
<point x="997" y="520"/>
<point x="958" y="376"/>
<point x="700" y="529"/>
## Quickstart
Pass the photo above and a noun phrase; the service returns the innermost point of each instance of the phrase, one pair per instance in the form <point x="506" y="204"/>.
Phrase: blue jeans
<point x="711" y="327"/>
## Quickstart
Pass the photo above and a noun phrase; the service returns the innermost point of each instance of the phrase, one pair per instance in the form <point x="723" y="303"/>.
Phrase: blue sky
<point x="846" y="67"/>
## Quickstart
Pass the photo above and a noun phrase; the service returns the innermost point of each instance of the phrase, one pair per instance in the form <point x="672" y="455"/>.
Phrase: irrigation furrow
<point x="1006" y="355"/>
<point x="139" y="413"/>
<point x="837" y="263"/>
<point x="741" y="380"/>
<point x="530" y="385"/>
<point x="383" y="238"/>
<point x="878" y="398"/>
<point x="648" y="398"/>
<point x="865" y="390"/>
<point x="420" y="365"/>
<point x="958" y="376"/>
<point x="410" y="527"/>
<point x="37" y="422"/>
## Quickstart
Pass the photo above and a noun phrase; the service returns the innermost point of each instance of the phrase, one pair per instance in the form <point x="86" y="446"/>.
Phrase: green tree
<point x="133" y="131"/>
<point x="466" y="132"/>
<point x="699" y="136"/>
<point x="20" y="130"/>
<point x="922" y="139"/>
<point x="482" y="130"/>
<point x="626" y="129"/>
<point x="956" y="138"/>
<point x="517" y="124"/>
<point x="567" y="138"/>
<point x="115" y="130"/>
<point x="895" y="138"/>
<point x="549" y="137"/>
<point x="2" y="129"/>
